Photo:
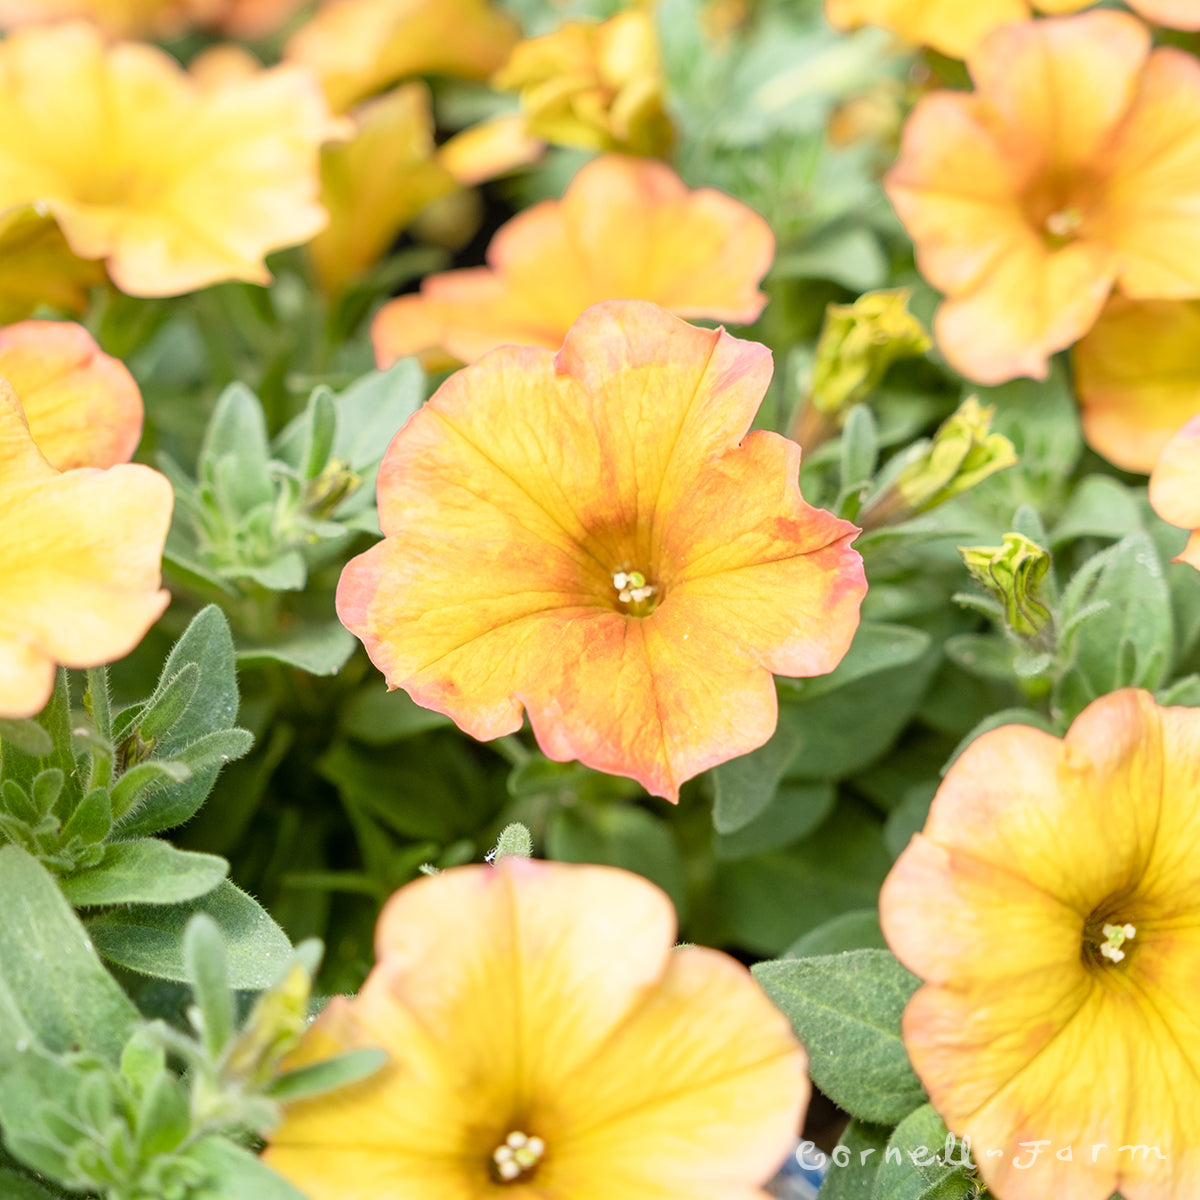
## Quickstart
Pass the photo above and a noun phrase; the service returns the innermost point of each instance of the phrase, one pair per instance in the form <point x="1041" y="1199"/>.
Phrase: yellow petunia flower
<point x="625" y="228"/>
<point x="82" y="406"/>
<point x="1137" y="374"/>
<point x="1052" y="908"/>
<point x="1075" y="161"/>
<point x="1175" y="488"/>
<point x="596" y="86"/>
<point x="547" y="1041"/>
<point x="37" y="266"/>
<point x="360" y="47"/>
<point x="176" y="185"/>
<point x="80" y="553"/>
<point x="593" y="537"/>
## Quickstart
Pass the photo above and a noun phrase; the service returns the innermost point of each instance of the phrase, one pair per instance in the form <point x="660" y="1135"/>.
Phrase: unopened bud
<point x="1013" y="574"/>
<point x="278" y="1019"/>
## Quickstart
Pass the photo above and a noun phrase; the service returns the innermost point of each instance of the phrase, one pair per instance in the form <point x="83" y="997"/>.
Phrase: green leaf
<point x="237" y="433"/>
<point x="317" y="649"/>
<point x="208" y="644"/>
<point x="744" y="787"/>
<point x="376" y="716"/>
<point x="169" y="702"/>
<point x="321" y="424"/>
<point x="146" y="871"/>
<point x="877" y="646"/>
<point x="21" y="1187"/>
<point x="515" y="841"/>
<point x="855" y="1161"/>
<point x="929" y="1167"/>
<point x="325" y="1076"/>
<point x="846" y="1009"/>
<point x="1131" y="642"/>
<point x="204" y="961"/>
<point x="771" y="900"/>
<point x="619" y="835"/>
<point x="1100" y="506"/>
<point x="92" y="819"/>
<point x="1041" y="419"/>
<point x="142" y="781"/>
<point x="27" y="736"/>
<point x="371" y="412"/>
<point x="148" y="938"/>
<point x="854" y="930"/>
<point x="232" y="1173"/>
<point x="851" y="256"/>
<point x="48" y="966"/>
<point x="794" y="811"/>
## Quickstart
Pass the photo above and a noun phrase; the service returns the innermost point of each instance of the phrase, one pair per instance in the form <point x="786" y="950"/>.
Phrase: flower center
<point x="1115" y="936"/>
<point x="1105" y="937"/>
<point x="637" y="596"/>
<point x="1063" y="224"/>
<point x="517" y="1157"/>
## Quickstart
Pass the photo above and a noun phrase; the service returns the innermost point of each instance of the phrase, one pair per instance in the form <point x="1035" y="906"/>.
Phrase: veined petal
<point x="83" y="406"/>
<point x="1175" y="486"/>
<point x="1138" y="377"/>
<point x="1151" y="192"/>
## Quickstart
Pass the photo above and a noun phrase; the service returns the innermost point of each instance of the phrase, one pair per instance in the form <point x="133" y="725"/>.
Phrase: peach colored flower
<point x="82" y="405"/>
<point x="594" y="538"/>
<point x="1137" y="374"/>
<point x="176" y="185"/>
<point x="547" y="1041"/>
<point x="625" y="228"/>
<point x="79" y="562"/>
<point x="37" y="266"/>
<point x="597" y="86"/>
<point x="1071" y="167"/>
<point x="359" y="47"/>
<point x="1052" y="907"/>
<point x="1175" y="487"/>
<point x="1174" y="14"/>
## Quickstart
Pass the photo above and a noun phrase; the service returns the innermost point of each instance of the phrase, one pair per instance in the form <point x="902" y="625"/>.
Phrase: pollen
<point x="517" y="1156"/>
<point x="1115" y="936"/>
<point x="1064" y="224"/>
<point x="634" y="591"/>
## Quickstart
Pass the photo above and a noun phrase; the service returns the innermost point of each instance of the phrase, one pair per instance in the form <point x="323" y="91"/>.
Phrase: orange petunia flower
<point x="1174" y="14"/>
<point x="359" y="47"/>
<point x="79" y="562"/>
<point x="176" y="185"/>
<point x="1175" y="488"/>
<point x="82" y="405"/>
<point x="546" y="1040"/>
<point x="1052" y="907"/>
<point x="598" y="86"/>
<point x="1071" y="167"/>
<point x="155" y="18"/>
<point x="593" y="537"/>
<point x="1137" y="374"/>
<point x="625" y="228"/>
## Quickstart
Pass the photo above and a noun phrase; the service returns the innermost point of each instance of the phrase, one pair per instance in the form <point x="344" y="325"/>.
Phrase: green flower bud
<point x="1013" y="574"/>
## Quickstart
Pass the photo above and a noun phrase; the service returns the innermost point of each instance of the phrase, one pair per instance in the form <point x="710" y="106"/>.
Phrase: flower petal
<point x="1138" y="377"/>
<point x="1152" y="186"/>
<point x="83" y="406"/>
<point x="950" y="26"/>
<point x="1175" y="487"/>
<point x="1174" y="14"/>
<point x="79" y="560"/>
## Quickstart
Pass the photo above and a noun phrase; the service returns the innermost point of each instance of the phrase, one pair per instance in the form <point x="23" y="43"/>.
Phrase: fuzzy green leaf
<point x="146" y="871"/>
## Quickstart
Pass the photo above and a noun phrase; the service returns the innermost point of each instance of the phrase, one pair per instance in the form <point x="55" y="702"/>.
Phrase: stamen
<point x="1065" y="223"/>
<point x="517" y="1156"/>
<point x="1115" y="936"/>
<point x="632" y="588"/>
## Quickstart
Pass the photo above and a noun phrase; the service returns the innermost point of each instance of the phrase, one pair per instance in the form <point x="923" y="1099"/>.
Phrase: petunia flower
<point x="546" y="1040"/>
<point x="1175" y="487"/>
<point x="175" y="184"/>
<point x="1137" y="374"/>
<point x="82" y="405"/>
<point x="594" y="537"/>
<point x="80" y="553"/>
<point x="360" y="47"/>
<point x="1068" y="170"/>
<point x="595" y="85"/>
<point x="625" y="228"/>
<point x="1052" y="908"/>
